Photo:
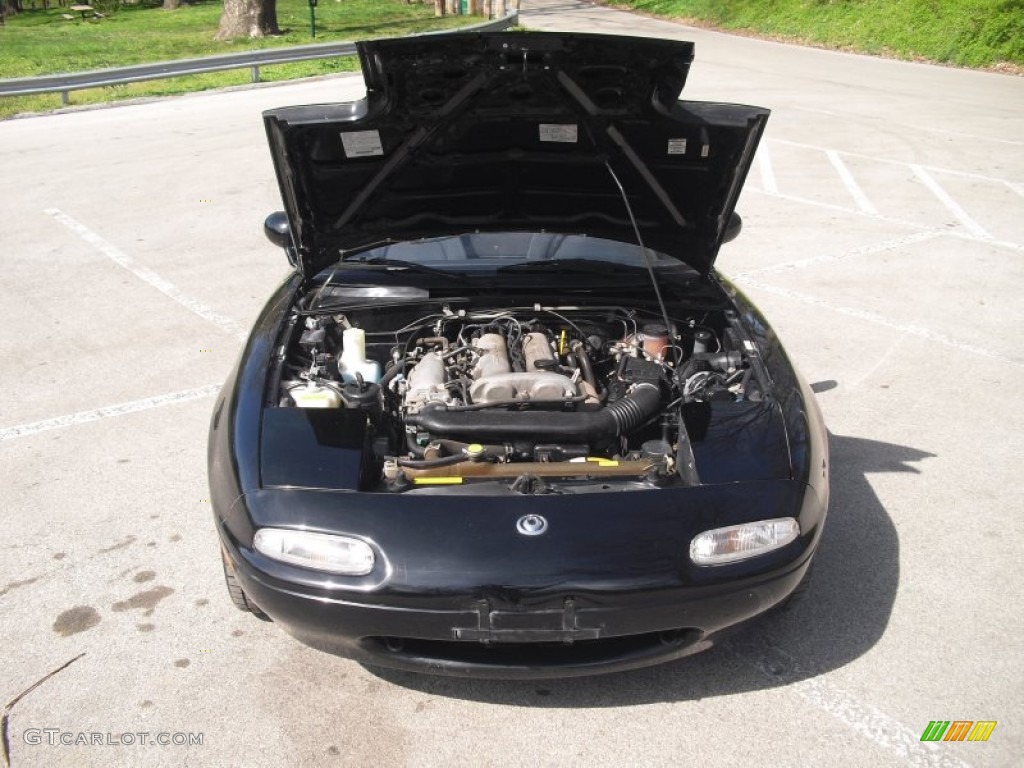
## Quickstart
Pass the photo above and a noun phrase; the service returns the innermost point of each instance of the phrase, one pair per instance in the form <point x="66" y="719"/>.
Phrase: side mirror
<point x="732" y="229"/>
<point x="277" y="230"/>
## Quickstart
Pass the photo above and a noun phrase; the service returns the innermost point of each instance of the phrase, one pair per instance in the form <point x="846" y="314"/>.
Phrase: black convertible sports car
<point x="504" y="419"/>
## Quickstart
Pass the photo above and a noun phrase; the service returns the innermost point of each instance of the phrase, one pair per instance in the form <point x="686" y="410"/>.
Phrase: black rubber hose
<point x="393" y="370"/>
<point x="619" y="418"/>
<point x="586" y="369"/>
<point x="444" y="461"/>
<point x="414" y="448"/>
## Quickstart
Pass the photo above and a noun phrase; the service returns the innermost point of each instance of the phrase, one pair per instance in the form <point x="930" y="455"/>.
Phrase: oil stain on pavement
<point x="147" y="600"/>
<point x="75" y="620"/>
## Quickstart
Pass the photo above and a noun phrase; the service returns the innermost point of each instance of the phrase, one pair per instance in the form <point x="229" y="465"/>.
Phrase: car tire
<point x="235" y="591"/>
<point x="799" y="593"/>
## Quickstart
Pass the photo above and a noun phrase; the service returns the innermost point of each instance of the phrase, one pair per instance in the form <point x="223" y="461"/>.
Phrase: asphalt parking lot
<point x="884" y="238"/>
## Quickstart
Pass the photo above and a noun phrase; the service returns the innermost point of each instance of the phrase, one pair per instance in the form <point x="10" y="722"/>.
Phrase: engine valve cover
<point x="532" y="386"/>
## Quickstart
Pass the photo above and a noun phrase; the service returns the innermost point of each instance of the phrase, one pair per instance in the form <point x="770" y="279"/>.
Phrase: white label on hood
<point x="565" y="133"/>
<point x="677" y="146"/>
<point x="362" y="143"/>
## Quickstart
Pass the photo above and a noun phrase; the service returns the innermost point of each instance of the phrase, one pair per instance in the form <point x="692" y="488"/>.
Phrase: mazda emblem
<point x="531" y="525"/>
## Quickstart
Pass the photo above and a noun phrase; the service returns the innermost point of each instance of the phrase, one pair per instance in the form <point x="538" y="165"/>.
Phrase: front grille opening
<point x="530" y="654"/>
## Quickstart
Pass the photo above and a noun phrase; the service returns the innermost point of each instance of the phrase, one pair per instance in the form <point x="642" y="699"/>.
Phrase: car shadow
<point x="842" y="615"/>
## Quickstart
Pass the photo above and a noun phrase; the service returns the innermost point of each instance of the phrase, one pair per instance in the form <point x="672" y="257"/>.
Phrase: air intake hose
<point x="620" y="418"/>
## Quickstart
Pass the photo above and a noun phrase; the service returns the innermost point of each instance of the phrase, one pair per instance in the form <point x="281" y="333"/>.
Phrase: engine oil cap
<point x="531" y="525"/>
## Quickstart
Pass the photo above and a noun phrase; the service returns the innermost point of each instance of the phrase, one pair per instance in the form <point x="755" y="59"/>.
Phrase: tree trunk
<point x="248" y="18"/>
<point x="171" y="5"/>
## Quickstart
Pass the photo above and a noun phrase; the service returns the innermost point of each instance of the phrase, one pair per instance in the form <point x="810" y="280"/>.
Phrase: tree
<point x="9" y="7"/>
<point x="248" y="18"/>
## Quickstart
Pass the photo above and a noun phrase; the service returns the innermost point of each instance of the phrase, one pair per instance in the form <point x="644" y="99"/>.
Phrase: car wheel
<point x="235" y="591"/>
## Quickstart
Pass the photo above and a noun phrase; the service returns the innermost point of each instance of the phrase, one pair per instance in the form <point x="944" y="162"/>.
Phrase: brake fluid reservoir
<point x="353" y="357"/>
<point x="655" y="339"/>
<point x="314" y="396"/>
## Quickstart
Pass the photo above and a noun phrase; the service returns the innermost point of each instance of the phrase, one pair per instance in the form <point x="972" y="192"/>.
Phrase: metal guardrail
<point x="252" y="60"/>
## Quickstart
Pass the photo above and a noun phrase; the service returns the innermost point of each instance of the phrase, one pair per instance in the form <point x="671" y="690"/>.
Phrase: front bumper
<point x="489" y="635"/>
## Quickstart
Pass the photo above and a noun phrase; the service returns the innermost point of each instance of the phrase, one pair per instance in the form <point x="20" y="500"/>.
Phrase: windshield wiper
<point x="409" y="266"/>
<point x="588" y="266"/>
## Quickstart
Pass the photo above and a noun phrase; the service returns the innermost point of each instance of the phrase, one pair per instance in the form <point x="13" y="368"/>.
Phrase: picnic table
<point x="83" y="9"/>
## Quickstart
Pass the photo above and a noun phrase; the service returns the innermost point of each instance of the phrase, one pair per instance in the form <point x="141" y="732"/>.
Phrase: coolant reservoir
<point x="314" y="396"/>
<point x="353" y="357"/>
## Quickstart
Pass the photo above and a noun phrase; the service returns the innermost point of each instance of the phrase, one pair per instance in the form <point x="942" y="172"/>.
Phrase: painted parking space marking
<point x="106" y="412"/>
<point x="915" y="128"/>
<point x="918" y="174"/>
<point x="962" y="216"/>
<point x="963" y="235"/>
<point x="868" y="721"/>
<point x="877" y="319"/>
<point x="148" y="276"/>
<point x="850" y="209"/>
<point x="866" y="250"/>
<point x="890" y="161"/>
<point x="850" y="183"/>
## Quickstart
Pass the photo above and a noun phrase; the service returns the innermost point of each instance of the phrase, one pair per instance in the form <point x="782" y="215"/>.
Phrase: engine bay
<point x="539" y="399"/>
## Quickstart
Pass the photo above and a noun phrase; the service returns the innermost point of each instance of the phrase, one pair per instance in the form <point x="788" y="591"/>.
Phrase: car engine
<point x="535" y="397"/>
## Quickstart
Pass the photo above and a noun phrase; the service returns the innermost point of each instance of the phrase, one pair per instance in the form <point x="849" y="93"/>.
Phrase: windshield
<point x="489" y="252"/>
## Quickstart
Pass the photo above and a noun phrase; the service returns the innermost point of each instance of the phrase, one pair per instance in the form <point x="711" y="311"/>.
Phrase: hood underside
<point x="515" y="131"/>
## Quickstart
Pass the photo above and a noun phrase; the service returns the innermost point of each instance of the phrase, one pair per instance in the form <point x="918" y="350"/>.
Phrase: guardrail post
<point x="64" y="98"/>
<point x="254" y="74"/>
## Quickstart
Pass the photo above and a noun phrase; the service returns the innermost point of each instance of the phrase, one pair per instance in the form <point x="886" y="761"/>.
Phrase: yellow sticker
<point x="603" y="462"/>
<point x="437" y="481"/>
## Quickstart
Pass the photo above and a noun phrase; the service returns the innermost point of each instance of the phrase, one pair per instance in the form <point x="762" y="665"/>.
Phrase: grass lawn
<point x="971" y="33"/>
<point x="37" y="42"/>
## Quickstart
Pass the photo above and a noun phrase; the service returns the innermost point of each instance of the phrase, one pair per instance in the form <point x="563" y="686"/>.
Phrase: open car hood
<point x="514" y="131"/>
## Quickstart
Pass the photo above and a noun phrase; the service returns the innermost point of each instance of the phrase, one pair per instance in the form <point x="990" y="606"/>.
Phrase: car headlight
<point x="320" y="551"/>
<point x="739" y="542"/>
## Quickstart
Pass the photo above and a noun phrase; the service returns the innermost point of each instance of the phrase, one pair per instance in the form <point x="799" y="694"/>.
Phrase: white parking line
<point x="891" y="220"/>
<point x="848" y="209"/>
<point x="933" y="186"/>
<point x="165" y="287"/>
<point x="764" y="162"/>
<point x="83" y="417"/>
<point x="877" y="319"/>
<point x="867" y="250"/>
<point x="917" y="128"/>
<point x="889" y="161"/>
<point x="868" y="721"/>
<point x="850" y="183"/>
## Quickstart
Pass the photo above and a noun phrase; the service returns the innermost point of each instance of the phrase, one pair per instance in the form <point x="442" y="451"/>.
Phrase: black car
<point x="504" y="419"/>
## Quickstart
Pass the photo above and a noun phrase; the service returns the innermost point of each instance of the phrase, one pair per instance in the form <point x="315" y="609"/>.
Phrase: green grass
<point x="970" y="33"/>
<point x="38" y="42"/>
